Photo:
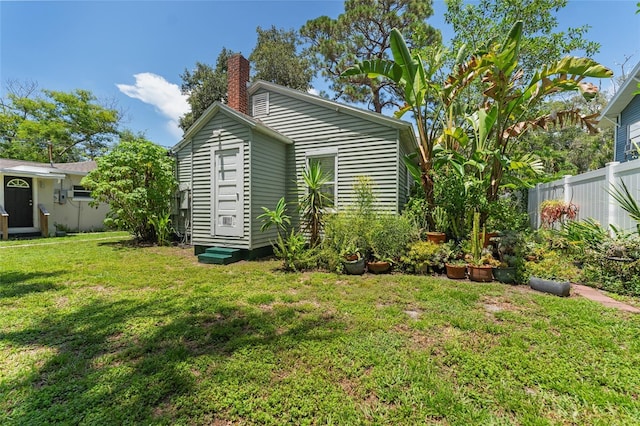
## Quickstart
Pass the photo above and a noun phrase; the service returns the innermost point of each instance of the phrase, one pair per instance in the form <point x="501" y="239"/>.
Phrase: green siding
<point x="203" y="142"/>
<point x="268" y="180"/>
<point x="364" y="146"/>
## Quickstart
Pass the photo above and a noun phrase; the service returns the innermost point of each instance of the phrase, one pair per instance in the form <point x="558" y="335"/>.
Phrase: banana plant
<point x="422" y="94"/>
<point x="505" y="113"/>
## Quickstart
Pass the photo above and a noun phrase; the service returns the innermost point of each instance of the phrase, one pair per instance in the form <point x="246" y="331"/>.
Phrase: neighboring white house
<point x="239" y="157"/>
<point x="36" y="196"/>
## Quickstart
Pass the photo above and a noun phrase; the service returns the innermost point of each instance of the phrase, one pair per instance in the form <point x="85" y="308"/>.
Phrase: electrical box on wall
<point x="60" y="196"/>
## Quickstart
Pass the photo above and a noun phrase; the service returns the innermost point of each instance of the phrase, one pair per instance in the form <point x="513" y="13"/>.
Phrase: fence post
<point x="612" y="211"/>
<point x="533" y="201"/>
<point x="566" y="189"/>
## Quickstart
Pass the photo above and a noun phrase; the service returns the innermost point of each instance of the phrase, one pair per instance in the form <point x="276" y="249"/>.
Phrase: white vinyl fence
<point x="588" y="192"/>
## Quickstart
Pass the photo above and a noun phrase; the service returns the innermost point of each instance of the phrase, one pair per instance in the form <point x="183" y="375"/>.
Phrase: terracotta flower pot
<point x="487" y="238"/>
<point x="481" y="273"/>
<point x="456" y="272"/>
<point x="437" y="237"/>
<point x="378" y="267"/>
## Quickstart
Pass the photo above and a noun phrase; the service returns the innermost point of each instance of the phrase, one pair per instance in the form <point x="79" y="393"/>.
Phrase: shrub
<point x="136" y="179"/>
<point x="388" y="236"/>
<point x="553" y="265"/>
<point x="294" y="253"/>
<point x="424" y="256"/>
<point x="615" y="265"/>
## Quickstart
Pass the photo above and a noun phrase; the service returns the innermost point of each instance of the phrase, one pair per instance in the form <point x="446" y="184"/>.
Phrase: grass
<point x="99" y="332"/>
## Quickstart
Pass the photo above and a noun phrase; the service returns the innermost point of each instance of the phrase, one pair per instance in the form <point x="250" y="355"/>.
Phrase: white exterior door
<point x="228" y="197"/>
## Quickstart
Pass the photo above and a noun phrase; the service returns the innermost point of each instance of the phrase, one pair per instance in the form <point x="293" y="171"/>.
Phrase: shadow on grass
<point x="127" y="362"/>
<point x="15" y="284"/>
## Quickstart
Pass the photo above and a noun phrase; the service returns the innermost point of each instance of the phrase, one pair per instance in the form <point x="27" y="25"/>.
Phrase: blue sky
<point x="134" y="52"/>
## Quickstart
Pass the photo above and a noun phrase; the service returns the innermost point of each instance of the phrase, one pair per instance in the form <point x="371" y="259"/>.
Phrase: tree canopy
<point x="275" y="59"/>
<point x="75" y="124"/>
<point x="479" y="24"/>
<point x="204" y="85"/>
<point x="362" y="33"/>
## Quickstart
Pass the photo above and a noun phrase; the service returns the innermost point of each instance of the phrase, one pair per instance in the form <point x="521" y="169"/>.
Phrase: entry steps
<point x="220" y="255"/>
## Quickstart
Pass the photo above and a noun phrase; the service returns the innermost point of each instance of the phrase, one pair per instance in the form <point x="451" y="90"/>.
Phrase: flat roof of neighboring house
<point x="620" y="99"/>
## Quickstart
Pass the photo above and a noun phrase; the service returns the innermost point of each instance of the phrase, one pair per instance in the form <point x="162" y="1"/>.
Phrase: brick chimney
<point x="237" y="80"/>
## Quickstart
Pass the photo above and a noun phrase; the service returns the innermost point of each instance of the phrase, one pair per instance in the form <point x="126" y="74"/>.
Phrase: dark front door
<point x="18" y="201"/>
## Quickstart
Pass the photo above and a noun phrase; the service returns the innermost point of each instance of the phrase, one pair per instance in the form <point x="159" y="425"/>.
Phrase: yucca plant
<point x="314" y="202"/>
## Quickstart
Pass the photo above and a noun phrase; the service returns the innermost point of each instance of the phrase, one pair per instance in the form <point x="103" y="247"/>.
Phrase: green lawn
<point x="94" y="331"/>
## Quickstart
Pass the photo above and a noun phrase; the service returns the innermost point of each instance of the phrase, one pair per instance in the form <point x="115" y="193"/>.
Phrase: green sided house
<point x="248" y="153"/>
<point x="37" y="196"/>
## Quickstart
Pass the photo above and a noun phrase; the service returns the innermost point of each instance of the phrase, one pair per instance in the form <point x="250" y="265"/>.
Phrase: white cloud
<point x="313" y="91"/>
<point x="163" y="95"/>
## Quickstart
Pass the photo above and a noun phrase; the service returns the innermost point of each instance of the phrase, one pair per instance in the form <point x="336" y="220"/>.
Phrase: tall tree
<point x="204" y="85"/>
<point x="479" y="24"/>
<point x="74" y="124"/>
<point x="362" y="33"/>
<point x="275" y="59"/>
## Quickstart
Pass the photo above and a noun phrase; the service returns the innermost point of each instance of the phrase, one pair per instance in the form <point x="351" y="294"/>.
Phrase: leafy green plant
<point x="553" y="265"/>
<point x="162" y="225"/>
<point x="388" y="236"/>
<point x="276" y="217"/>
<point x="440" y="219"/>
<point x="424" y="256"/>
<point x="293" y="252"/>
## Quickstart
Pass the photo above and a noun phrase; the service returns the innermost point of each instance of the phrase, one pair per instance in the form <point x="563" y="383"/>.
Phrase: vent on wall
<point x="260" y="104"/>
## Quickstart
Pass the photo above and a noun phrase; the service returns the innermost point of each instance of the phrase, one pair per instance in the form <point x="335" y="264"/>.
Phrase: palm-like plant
<point x="314" y="201"/>
<point x="626" y="201"/>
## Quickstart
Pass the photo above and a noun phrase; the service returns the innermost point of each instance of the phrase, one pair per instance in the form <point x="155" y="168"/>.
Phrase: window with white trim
<point x="633" y="142"/>
<point x="260" y="105"/>
<point x="81" y="193"/>
<point x="329" y="165"/>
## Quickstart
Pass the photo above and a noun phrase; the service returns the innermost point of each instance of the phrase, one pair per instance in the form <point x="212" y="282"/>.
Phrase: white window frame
<point x="633" y="140"/>
<point x="325" y="153"/>
<point x="262" y="101"/>
<point x="82" y="192"/>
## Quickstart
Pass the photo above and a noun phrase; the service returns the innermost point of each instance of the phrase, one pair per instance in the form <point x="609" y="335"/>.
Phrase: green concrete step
<point x="220" y="256"/>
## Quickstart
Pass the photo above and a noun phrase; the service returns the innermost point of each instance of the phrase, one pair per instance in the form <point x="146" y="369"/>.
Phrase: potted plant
<point x="388" y="236"/>
<point x="556" y="211"/>
<point x="509" y="249"/>
<point x="61" y="230"/>
<point x="353" y="261"/>
<point x="456" y="265"/>
<point x="441" y="221"/>
<point x="480" y="263"/>
<point x="426" y="256"/>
